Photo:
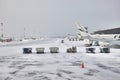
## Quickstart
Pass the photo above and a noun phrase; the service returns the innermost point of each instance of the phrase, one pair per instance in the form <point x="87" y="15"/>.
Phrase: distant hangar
<point x="108" y="31"/>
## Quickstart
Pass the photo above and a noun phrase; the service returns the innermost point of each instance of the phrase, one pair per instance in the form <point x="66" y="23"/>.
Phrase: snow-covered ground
<point x="14" y="65"/>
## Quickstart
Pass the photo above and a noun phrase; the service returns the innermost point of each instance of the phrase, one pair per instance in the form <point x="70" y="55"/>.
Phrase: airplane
<point x="111" y="42"/>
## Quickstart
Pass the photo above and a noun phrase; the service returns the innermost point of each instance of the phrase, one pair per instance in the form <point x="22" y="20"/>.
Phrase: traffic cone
<point x="83" y="66"/>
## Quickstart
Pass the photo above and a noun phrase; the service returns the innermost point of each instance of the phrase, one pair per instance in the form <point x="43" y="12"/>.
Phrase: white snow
<point x="14" y="65"/>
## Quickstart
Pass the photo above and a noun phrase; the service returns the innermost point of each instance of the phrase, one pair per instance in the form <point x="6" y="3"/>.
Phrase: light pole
<point x="2" y="30"/>
<point x="24" y="32"/>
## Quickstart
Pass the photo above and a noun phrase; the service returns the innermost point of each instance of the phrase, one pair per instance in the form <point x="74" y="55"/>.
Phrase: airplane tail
<point x="85" y="35"/>
<point x="82" y="31"/>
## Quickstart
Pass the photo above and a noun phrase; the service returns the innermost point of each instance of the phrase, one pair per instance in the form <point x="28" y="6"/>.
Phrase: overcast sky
<point x="57" y="17"/>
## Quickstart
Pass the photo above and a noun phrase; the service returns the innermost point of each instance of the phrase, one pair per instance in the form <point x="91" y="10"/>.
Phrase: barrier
<point x="27" y="50"/>
<point x="54" y="49"/>
<point x="90" y="50"/>
<point x="40" y="50"/>
<point x="104" y="50"/>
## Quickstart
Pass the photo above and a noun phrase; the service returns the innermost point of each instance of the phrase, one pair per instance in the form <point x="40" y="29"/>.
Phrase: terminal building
<point x="108" y="31"/>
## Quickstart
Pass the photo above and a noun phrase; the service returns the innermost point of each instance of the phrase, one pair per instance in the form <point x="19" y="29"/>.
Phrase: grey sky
<point x="57" y="17"/>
